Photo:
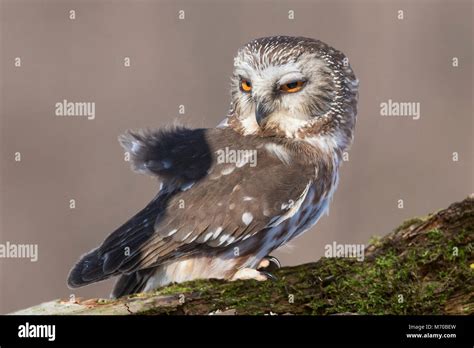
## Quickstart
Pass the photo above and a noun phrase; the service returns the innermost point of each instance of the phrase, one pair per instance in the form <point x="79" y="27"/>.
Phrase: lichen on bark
<point x="424" y="266"/>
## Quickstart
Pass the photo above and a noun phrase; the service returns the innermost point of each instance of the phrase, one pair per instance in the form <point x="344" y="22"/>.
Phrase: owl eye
<point x="245" y="85"/>
<point x="292" y="87"/>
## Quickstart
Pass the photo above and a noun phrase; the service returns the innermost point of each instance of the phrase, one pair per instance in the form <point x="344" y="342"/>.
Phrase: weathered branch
<point x="425" y="266"/>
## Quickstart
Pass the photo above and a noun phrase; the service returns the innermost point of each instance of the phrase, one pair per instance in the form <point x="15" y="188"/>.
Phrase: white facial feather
<point x="290" y="111"/>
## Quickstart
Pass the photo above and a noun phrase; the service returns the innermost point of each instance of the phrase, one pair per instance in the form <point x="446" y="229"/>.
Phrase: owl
<point x="231" y="195"/>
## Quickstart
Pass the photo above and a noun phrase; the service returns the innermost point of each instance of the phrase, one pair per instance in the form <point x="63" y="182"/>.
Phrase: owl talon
<point x="269" y="276"/>
<point x="269" y="264"/>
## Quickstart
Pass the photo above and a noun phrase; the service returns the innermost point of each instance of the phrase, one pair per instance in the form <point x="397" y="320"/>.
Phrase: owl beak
<point x="261" y="113"/>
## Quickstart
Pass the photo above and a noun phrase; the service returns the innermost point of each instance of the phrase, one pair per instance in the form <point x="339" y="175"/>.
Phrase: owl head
<point x="293" y="87"/>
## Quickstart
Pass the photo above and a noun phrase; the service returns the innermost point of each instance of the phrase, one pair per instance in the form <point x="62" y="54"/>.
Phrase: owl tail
<point x="132" y="283"/>
<point x="88" y="270"/>
<point x="177" y="153"/>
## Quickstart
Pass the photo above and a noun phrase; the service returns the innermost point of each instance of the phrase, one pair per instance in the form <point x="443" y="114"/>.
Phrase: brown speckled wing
<point x="234" y="199"/>
<point x="232" y="202"/>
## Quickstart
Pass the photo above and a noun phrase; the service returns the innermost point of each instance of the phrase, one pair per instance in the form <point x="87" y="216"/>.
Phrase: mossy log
<point x="425" y="266"/>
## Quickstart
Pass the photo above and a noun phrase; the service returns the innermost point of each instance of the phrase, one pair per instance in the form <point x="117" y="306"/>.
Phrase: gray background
<point x="189" y="62"/>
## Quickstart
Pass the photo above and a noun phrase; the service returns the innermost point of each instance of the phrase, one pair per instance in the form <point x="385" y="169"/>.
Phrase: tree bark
<point x="425" y="266"/>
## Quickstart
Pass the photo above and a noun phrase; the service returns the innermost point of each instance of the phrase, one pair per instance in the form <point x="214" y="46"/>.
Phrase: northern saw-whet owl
<point x="231" y="195"/>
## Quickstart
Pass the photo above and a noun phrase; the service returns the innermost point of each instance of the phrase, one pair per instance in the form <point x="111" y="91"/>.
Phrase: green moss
<point x="408" y="223"/>
<point x="396" y="285"/>
<point x="435" y="234"/>
<point x="375" y="241"/>
<point x="418" y="280"/>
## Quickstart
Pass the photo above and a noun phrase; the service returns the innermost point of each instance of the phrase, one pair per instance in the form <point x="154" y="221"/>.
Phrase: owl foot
<point x="249" y="273"/>
<point x="269" y="264"/>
